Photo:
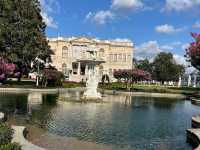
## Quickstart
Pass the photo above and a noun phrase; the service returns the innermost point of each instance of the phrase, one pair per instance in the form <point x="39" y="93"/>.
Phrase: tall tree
<point x="144" y="65"/>
<point x="22" y="33"/>
<point x="193" y="52"/>
<point x="165" y="68"/>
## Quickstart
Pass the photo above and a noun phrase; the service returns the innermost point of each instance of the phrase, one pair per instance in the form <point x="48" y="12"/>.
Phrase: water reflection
<point x="123" y="121"/>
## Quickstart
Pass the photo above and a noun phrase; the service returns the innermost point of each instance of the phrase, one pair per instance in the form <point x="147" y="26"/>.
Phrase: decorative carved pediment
<point x="83" y="40"/>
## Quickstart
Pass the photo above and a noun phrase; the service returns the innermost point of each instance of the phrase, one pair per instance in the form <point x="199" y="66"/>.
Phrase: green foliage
<point x="11" y="146"/>
<point x="52" y="77"/>
<point x="149" y="88"/>
<point x="165" y="68"/>
<point x="72" y="84"/>
<point x="22" y="33"/>
<point x="144" y="65"/>
<point x="5" y="134"/>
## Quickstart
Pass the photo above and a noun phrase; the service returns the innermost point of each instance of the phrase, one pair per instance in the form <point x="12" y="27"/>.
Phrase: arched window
<point x="64" y="52"/>
<point x="64" y="69"/>
<point x="129" y="57"/>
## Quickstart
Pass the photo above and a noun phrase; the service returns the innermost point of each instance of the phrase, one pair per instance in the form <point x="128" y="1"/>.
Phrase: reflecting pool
<point x="118" y="123"/>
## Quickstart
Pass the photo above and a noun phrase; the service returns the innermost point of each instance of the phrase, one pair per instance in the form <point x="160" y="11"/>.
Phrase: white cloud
<point x="49" y="20"/>
<point x="181" y="5"/>
<point x="168" y="29"/>
<point x="89" y="15"/>
<point x="150" y="49"/>
<point x="196" y="25"/>
<point x="167" y="47"/>
<point x="118" y="8"/>
<point x="49" y="7"/>
<point x="101" y="17"/>
<point x="126" y="4"/>
<point x="180" y="60"/>
<point x="185" y="46"/>
<point x="147" y="50"/>
<point x="122" y="40"/>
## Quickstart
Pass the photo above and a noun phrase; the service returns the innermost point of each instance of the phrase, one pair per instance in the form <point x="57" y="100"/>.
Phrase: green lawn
<point x="151" y="88"/>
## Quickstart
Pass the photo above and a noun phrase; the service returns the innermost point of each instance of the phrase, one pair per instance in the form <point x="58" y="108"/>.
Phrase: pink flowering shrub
<point x="52" y="77"/>
<point x="6" y="69"/>
<point x="132" y="75"/>
<point x="193" y="52"/>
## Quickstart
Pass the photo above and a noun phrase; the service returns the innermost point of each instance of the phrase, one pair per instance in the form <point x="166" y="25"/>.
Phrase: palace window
<point x="115" y="57"/>
<point x="64" y="69"/>
<point x="120" y="57"/>
<point x="129" y="57"/>
<point x="111" y="57"/>
<point x="64" y="52"/>
<point x="124" y="57"/>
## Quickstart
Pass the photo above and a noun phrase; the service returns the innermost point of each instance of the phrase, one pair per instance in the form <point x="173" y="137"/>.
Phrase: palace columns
<point x="86" y="70"/>
<point x="79" y="68"/>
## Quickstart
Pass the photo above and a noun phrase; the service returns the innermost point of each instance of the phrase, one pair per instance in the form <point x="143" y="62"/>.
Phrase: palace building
<point x="69" y="51"/>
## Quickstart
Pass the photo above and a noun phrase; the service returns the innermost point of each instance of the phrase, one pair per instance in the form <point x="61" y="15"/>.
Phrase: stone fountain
<point x="92" y="80"/>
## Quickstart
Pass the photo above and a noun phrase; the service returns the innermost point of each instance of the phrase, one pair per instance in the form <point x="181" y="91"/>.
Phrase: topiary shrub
<point x="5" y="134"/>
<point x="11" y="146"/>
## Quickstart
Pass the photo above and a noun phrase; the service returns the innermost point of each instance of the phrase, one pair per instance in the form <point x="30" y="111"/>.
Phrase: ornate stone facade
<point x="68" y="52"/>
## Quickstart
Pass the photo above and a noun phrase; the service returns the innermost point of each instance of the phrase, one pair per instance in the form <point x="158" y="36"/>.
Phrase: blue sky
<point x="153" y="25"/>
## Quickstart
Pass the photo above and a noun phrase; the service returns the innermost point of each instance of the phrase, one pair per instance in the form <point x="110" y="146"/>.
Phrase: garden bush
<point x="52" y="77"/>
<point x="5" y="134"/>
<point x="10" y="146"/>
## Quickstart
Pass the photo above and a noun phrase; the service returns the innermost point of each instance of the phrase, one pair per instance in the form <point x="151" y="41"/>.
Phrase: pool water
<point x="124" y="122"/>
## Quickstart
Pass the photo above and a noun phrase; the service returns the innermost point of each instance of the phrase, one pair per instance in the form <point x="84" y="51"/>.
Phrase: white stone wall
<point x="117" y="55"/>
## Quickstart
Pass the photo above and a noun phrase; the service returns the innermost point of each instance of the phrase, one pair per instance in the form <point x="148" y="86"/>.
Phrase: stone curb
<point x="193" y="135"/>
<point x="196" y="122"/>
<point x="27" y="90"/>
<point x="195" y="101"/>
<point x="57" y="90"/>
<point x="18" y="137"/>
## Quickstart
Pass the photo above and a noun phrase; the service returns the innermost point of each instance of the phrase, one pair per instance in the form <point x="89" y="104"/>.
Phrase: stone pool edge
<point x="18" y="137"/>
<point x="193" y="134"/>
<point x="113" y="92"/>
